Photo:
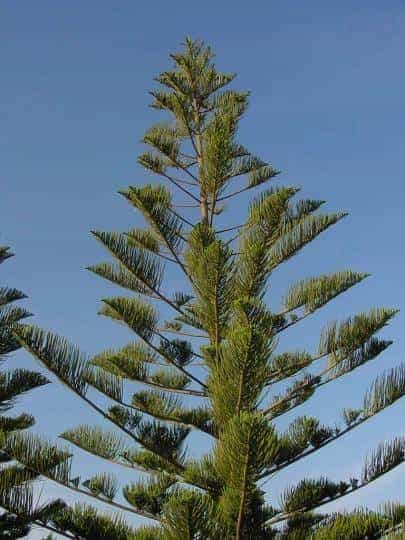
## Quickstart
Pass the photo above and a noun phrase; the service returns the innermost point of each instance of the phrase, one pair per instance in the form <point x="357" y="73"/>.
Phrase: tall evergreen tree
<point x="16" y="496"/>
<point x="208" y="361"/>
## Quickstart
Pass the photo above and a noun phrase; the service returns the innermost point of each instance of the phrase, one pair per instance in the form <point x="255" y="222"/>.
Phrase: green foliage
<point x="308" y="494"/>
<point x="9" y="312"/>
<point x="142" y="266"/>
<point x="263" y="227"/>
<point x="23" y="421"/>
<point x="170" y="379"/>
<point x="209" y="265"/>
<point x="131" y="362"/>
<point x="176" y="351"/>
<point x="155" y="204"/>
<point x="361" y="524"/>
<point x="351" y="415"/>
<point x="166" y="441"/>
<point x="22" y="511"/>
<point x="247" y="446"/>
<point x="55" y="353"/>
<point x="138" y="315"/>
<point x="312" y="293"/>
<point x="106" y="382"/>
<point x="387" y="456"/>
<point x="288" y="363"/>
<point x="102" y="484"/>
<point x="243" y="358"/>
<point x="124" y="417"/>
<point x="170" y="408"/>
<point x="150" y="496"/>
<point x="303" y="432"/>
<point x="339" y="365"/>
<point x="38" y="455"/>
<point x="8" y="295"/>
<point x="216" y="374"/>
<point x="188" y="514"/>
<point x="295" y="237"/>
<point x="149" y="461"/>
<point x="16" y="495"/>
<point x="85" y="522"/>
<point x="385" y="390"/>
<point x="92" y="439"/>
<point x="343" y="339"/>
<point x="17" y="382"/>
<point x="143" y="239"/>
<point x="118" y="274"/>
<point x="203" y="473"/>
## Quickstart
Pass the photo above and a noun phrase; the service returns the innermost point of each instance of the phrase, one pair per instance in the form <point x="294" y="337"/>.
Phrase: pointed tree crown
<point x="213" y="364"/>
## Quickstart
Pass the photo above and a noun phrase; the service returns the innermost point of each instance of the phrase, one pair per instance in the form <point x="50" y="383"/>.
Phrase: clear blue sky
<point x="327" y="108"/>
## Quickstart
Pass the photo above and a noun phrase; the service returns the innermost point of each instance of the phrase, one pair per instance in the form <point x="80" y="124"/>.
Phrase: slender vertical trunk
<point x="204" y="208"/>
<point x="203" y="198"/>
<point x="241" y="513"/>
<point x="198" y="142"/>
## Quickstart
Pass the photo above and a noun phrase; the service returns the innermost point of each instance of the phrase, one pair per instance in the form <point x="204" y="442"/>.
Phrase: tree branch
<point x="84" y="492"/>
<point x="287" y="515"/>
<point x="184" y="190"/>
<point x="319" y="447"/>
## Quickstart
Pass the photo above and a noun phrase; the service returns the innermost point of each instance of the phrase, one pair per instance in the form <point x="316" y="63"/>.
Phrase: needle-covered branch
<point x="306" y="435"/>
<point x="311" y="494"/>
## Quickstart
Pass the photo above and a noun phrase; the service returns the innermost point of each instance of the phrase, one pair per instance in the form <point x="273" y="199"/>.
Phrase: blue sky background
<point x="327" y="108"/>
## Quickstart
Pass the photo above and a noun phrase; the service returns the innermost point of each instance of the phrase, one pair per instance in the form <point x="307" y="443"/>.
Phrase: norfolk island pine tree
<point x="17" y="500"/>
<point x="213" y="365"/>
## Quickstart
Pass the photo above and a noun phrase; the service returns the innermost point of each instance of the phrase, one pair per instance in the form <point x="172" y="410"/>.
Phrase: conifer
<point x="16" y="493"/>
<point x="204" y="358"/>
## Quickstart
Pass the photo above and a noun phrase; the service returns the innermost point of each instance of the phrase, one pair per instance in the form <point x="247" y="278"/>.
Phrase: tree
<point x="16" y="496"/>
<point x="209" y="362"/>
